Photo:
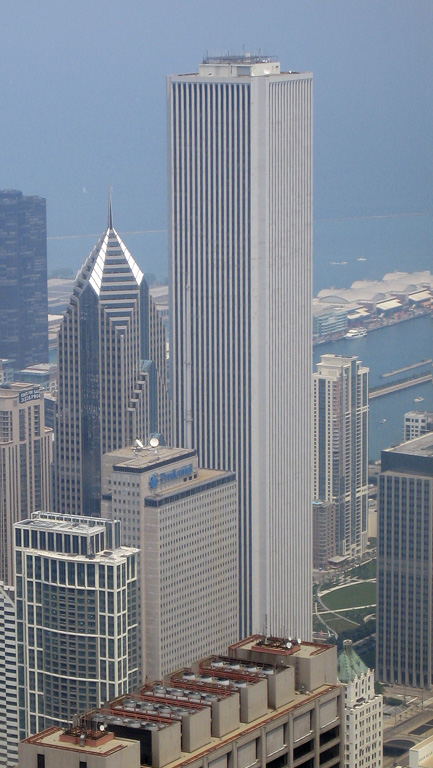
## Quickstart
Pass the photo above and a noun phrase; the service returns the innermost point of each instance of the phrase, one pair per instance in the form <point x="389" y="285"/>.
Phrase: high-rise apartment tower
<point x="26" y="453"/>
<point x="110" y="392"/>
<point x="77" y="620"/>
<point x="340" y="471"/>
<point x="240" y="183"/>
<point x="23" y="283"/>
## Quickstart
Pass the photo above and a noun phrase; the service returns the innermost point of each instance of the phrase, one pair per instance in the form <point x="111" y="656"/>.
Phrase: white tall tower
<point x="240" y="189"/>
<point x="340" y="465"/>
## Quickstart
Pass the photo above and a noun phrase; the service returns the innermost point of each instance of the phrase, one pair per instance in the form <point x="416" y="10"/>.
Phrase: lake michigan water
<point x="387" y="245"/>
<point x="383" y="351"/>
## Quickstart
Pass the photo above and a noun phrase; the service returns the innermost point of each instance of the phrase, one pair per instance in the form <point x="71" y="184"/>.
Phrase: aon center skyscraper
<point x="240" y="226"/>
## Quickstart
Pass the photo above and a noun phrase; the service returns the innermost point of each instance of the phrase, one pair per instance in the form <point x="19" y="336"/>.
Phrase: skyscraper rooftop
<point x="350" y="665"/>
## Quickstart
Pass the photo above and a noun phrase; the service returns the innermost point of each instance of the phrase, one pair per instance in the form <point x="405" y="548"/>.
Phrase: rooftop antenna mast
<point x="110" y="214"/>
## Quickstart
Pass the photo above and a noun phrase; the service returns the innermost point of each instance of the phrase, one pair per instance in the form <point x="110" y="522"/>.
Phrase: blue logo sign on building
<point x="165" y="477"/>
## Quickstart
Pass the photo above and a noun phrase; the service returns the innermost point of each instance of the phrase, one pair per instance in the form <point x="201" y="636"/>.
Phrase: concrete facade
<point x="240" y="227"/>
<point x="26" y="453"/>
<point x="184" y="520"/>
<point x="324" y="533"/>
<point x="417" y="423"/>
<point x="53" y="748"/>
<point x="228" y="711"/>
<point x="363" y="712"/>
<point x="340" y="471"/>
<point x="8" y="679"/>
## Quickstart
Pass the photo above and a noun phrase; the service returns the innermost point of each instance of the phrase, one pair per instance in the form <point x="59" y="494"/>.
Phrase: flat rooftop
<point x="279" y="646"/>
<point x="63" y="523"/>
<point x="52" y="738"/>
<point x="415" y="457"/>
<point x="240" y="58"/>
<point x="419" y="446"/>
<point x="16" y="387"/>
<point x="149" y="458"/>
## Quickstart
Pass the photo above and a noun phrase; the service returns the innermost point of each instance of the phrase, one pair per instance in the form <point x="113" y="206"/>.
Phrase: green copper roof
<point x="349" y="664"/>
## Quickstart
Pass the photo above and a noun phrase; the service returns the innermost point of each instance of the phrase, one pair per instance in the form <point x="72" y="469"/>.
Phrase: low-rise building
<point x="417" y="423"/>
<point x="43" y="374"/>
<point x="271" y="702"/>
<point x="6" y="371"/>
<point x="421" y="756"/>
<point x="53" y="748"/>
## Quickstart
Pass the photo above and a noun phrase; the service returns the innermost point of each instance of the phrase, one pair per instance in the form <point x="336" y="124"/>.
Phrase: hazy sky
<point x="83" y="101"/>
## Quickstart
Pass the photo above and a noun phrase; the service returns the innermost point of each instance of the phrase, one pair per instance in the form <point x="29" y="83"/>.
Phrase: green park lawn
<point x="351" y="596"/>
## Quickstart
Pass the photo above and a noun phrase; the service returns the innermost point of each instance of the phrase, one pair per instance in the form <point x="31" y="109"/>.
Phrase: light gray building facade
<point x="184" y="521"/>
<point x="340" y="471"/>
<point x="417" y="423"/>
<point x="240" y="225"/>
<point x="405" y="565"/>
<point x="26" y="453"/>
<point x="8" y="679"/>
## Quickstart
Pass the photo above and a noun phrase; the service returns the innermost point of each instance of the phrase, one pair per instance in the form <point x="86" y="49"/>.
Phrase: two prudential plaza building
<point x="240" y="165"/>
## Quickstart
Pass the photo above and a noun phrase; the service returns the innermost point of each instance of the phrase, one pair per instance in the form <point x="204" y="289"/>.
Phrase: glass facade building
<point x="77" y="617"/>
<point x="405" y="565"/>
<point x="107" y="397"/>
<point x="23" y="284"/>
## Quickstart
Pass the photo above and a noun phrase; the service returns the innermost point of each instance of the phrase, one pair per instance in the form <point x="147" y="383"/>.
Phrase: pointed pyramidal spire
<point x="110" y="215"/>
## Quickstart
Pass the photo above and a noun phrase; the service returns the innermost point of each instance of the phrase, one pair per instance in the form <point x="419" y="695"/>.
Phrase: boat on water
<point x="418" y="399"/>
<point x="356" y="333"/>
<point x="362" y="258"/>
<point x="383" y="421"/>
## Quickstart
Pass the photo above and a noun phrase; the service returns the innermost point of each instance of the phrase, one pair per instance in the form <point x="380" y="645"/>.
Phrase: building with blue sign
<point x="184" y="519"/>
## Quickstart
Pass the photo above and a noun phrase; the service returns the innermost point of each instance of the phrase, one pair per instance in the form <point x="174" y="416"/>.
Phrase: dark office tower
<point x="405" y="565"/>
<point x="107" y="382"/>
<point x="23" y="283"/>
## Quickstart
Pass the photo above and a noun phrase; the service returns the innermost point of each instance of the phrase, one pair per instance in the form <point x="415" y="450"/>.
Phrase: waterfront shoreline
<point x="387" y="389"/>
<point x="376" y="325"/>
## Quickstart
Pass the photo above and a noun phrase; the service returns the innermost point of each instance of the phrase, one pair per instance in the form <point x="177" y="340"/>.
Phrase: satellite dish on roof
<point x="154" y="442"/>
<point x="139" y="444"/>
